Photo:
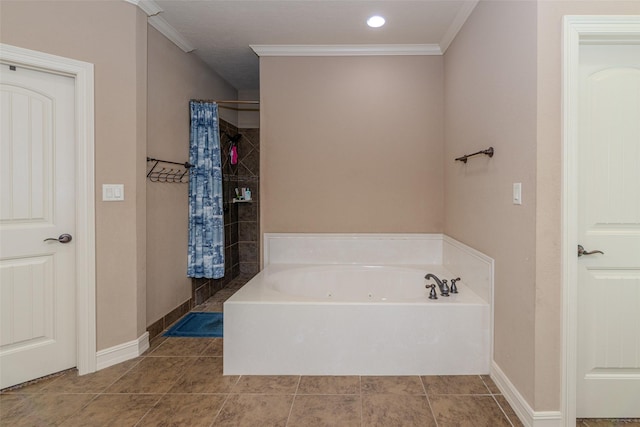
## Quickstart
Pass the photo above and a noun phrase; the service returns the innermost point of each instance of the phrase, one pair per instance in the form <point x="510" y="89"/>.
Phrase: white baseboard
<point x="121" y="352"/>
<point x="527" y="415"/>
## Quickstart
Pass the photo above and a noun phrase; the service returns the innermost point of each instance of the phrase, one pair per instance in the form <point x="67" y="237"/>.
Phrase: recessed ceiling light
<point x="375" y="21"/>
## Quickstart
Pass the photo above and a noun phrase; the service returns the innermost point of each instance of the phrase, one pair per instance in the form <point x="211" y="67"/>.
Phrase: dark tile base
<point x="203" y="289"/>
<point x="249" y="268"/>
<point x="242" y="228"/>
<point x="160" y="325"/>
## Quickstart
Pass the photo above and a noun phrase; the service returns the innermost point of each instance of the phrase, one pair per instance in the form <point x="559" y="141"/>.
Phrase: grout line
<point x="213" y="422"/>
<point x="228" y="394"/>
<point x="502" y="409"/>
<point x="486" y="385"/>
<point x="123" y="374"/>
<point x="332" y="394"/>
<point x="96" y="395"/>
<point x="465" y="394"/>
<point x="293" y="401"/>
<point x="151" y="408"/>
<point x="53" y="377"/>
<point x="146" y="393"/>
<point x="433" y="415"/>
<point x="361" y="399"/>
<point x="298" y="385"/>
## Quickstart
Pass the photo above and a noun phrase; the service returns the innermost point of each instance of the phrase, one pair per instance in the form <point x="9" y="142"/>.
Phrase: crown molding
<point x="457" y="23"/>
<point x="150" y="7"/>
<point x="153" y="10"/>
<point x="347" y="50"/>
<point x="169" y="32"/>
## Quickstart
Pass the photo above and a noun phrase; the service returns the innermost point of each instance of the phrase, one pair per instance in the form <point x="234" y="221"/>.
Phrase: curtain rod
<point x="226" y="102"/>
<point x="239" y="109"/>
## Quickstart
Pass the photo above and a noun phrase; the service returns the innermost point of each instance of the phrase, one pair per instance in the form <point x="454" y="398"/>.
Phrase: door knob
<point x="63" y="238"/>
<point x="582" y="251"/>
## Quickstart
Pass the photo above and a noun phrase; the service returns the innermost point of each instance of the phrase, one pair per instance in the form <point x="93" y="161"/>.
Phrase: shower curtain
<point x="206" y="218"/>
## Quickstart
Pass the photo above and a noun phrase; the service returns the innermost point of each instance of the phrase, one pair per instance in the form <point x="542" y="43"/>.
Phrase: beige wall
<point x="141" y="156"/>
<point x="549" y="177"/>
<point x="174" y="77"/>
<point x="351" y="144"/>
<point x="249" y="119"/>
<point x="338" y="157"/>
<point x="490" y="98"/>
<point x="503" y="83"/>
<point x="112" y="36"/>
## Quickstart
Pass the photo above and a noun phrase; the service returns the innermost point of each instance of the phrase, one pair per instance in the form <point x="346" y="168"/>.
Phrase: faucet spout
<point x="444" y="289"/>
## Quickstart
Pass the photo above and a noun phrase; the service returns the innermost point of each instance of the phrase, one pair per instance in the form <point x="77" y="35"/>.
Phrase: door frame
<point x="82" y="73"/>
<point x="578" y="30"/>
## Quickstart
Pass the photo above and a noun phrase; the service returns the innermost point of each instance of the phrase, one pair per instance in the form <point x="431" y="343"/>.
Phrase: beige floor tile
<point x="493" y="388"/>
<point x="605" y="422"/>
<point x="508" y="410"/>
<point x="396" y="410"/>
<point x="283" y="384"/>
<point x="329" y="385"/>
<point x="151" y="375"/>
<point x="117" y="410"/>
<point x="391" y="385"/>
<point x="178" y="346"/>
<point x="215" y="348"/>
<point x="204" y="375"/>
<point x="467" y="411"/>
<point x="96" y="382"/>
<point x="189" y="371"/>
<point x="154" y="343"/>
<point x="460" y="384"/>
<point x="254" y="410"/>
<point x="44" y="409"/>
<point x="37" y="385"/>
<point x="8" y="401"/>
<point x="325" y="410"/>
<point x="193" y="410"/>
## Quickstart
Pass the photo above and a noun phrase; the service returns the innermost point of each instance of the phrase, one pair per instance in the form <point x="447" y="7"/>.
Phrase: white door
<point x="37" y="277"/>
<point x="608" y="354"/>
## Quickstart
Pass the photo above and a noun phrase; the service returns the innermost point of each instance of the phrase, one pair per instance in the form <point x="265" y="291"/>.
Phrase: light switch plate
<point x="517" y="193"/>
<point x="112" y="192"/>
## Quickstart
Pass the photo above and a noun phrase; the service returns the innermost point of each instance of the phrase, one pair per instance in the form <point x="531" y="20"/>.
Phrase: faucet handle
<point x="432" y="293"/>
<point x="454" y="288"/>
<point x="445" y="288"/>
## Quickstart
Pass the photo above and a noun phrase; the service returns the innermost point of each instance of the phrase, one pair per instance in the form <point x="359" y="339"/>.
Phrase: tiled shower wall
<point x="240" y="219"/>
<point x="248" y="175"/>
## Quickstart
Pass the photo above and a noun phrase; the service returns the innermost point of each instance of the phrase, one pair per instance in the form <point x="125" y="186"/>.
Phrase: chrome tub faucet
<point x="442" y="284"/>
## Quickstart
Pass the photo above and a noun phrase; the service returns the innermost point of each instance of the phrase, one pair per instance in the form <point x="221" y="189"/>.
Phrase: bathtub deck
<point x="267" y="333"/>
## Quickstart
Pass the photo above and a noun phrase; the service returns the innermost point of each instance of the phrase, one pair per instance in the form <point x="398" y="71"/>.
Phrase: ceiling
<point x="221" y="32"/>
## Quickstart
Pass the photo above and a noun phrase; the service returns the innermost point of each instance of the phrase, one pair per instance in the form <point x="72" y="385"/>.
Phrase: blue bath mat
<point x="197" y="325"/>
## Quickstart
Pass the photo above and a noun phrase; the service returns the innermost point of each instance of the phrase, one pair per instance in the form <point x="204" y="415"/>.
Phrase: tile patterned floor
<point x="593" y="422"/>
<point x="179" y="382"/>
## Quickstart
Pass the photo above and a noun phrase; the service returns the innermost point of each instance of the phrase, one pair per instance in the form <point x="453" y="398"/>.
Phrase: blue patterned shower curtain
<point x="206" y="218"/>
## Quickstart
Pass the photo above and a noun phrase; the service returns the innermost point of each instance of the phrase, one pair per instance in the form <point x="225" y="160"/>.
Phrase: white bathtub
<point x="354" y="319"/>
<point x="347" y="284"/>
